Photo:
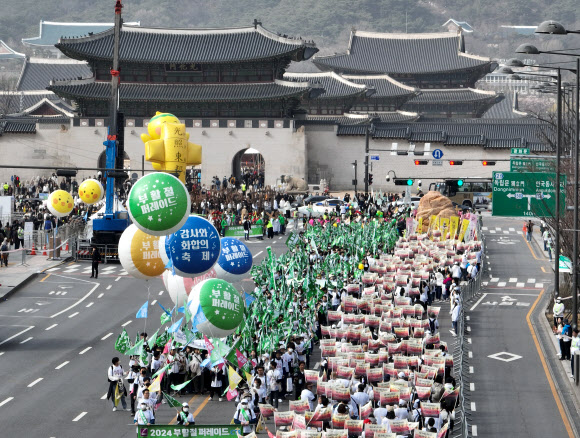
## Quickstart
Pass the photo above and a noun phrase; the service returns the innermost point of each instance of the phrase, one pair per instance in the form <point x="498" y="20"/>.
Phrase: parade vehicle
<point x="467" y="192"/>
<point x="316" y="209"/>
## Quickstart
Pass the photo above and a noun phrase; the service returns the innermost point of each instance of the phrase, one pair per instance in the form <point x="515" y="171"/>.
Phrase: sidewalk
<point x="553" y="347"/>
<point x="17" y="275"/>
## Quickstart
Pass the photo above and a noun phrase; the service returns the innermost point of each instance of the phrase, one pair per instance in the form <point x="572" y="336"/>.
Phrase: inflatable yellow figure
<point x="167" y="146"/>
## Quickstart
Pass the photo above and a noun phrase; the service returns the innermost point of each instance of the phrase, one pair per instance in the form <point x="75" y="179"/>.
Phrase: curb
<point x="27" y="281"/>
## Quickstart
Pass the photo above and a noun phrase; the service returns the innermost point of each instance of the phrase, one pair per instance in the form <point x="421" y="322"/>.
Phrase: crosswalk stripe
<point x="539" y="285"/>
<point x="492" y="231"/>
<point x="531" y="280"/>
<point x="513" y="280"/>
<point x="520" y="284"/>
<point x="494" y="280"/>
<point x="501" y="284"/>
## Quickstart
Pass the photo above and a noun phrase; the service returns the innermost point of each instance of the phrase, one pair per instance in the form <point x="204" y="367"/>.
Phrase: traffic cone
<point x="33" y="252"/>
<point x="44" y="253"/>
<point x="66" y="247"/>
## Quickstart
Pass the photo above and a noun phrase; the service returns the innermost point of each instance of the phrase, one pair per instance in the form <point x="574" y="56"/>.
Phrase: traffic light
<point x="403" y="182"/>
<point x="454" y="184"/>
<point x="459" y="182"/>
<point x="370" y="178"/>
<point x="488" y="163"/>
<point x="455" y="163"/>
<point x="66" y="172"/>
<point x="421" y="162"/>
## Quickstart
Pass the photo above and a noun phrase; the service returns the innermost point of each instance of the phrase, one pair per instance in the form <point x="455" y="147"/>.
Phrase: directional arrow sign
<point x="66" y="287"/>
<point x="526" y="194"/>
<point x="507" y="298"/>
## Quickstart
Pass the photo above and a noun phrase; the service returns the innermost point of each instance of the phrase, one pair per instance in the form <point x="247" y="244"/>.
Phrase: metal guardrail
<point x="83" y="251"/>
<point x="460" y="353"/>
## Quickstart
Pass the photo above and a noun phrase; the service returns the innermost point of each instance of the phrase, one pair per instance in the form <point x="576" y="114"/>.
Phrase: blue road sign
<point x="437" y="154"/>
<point x="374" y="158"/>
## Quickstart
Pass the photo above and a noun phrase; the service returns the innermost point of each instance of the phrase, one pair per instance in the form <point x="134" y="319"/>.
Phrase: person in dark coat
<point x="96" y="259"/>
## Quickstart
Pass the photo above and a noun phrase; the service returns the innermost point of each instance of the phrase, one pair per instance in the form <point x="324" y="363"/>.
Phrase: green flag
<point x="171" y="401"/>
<point x="136" y="349"/>
<point x="220" y="350"/>
<point x="152" y="340"/>
<point x="162" y="340"/>
<point x="181" y="386"/>
<point x="161" y="370"/>
<point x="123" y="342"/>
<point x="165" y="317"/>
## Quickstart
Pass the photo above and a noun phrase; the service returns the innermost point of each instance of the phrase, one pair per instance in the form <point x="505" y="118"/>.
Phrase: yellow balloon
<point x="157" y="121"/>
<point x="361" y="266"/>
<point x="139" y="253"/>
<point x="60" y="203"/>
<point x="91" y="191"/>
<point x="334" y="225"/>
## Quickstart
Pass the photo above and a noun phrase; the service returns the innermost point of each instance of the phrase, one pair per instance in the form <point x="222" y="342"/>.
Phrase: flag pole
<point x="147" y="314"/>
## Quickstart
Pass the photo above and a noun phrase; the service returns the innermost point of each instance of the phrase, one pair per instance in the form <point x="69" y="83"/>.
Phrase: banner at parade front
<point x="208" y="431"/>
<point x="238" y="231"/>
<point x="453" y="226"/>
<point x="420" y="226"/>
<point x="463" y="230"/>
<point x="283" y="418"/>
<point x="444" y="226"/>
<point x="266" y="410"/>
<point x="371" y="430"/>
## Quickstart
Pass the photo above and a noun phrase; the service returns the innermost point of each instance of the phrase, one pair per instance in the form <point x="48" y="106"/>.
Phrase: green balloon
<point x="159" y="204"/>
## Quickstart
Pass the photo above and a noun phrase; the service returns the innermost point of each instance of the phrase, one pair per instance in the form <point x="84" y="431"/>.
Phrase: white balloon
<point x="179" y="288"/>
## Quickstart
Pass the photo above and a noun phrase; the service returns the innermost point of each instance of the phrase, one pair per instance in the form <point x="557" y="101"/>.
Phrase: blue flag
<point x="164" y="309"/>
<point x="181" y="309"/>
<point x="142" y="312"/>
<point x="198" y="318"/>
<point x="175" y="326"/>
<point x="249" y="299"/>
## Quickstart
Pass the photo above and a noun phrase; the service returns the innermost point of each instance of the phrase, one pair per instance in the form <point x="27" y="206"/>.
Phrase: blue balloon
<point x="194" y="249"/>
<point x="235" y="259"/>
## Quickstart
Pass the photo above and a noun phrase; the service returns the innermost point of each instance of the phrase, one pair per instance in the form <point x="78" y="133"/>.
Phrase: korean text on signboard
<point x="188" y="431"/>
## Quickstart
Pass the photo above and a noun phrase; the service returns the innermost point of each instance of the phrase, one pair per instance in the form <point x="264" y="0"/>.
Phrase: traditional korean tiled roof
<point x="421" y="53"/>
<point x="182" y="92"/>
<point x="384" y="85"/>
<point x="154" y="45"/>
<point x="505" y="109"/>
<point x="334" y="85"/>
<point x="37" y="73"/>
<point x="8" y="53"/>
<point x="452" y="95"/>
<point x="362" y="119"/>
<point x="488" y="133"/>
<point x="463" y="24"/>
<point x="16" y="126"/>
<point x="51" y="32"/>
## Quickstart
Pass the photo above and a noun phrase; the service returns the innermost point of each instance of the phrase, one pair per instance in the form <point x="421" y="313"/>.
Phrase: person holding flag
<point x="184" y="417"/>
<point x="245" y="416"/>
<point x="116" y="391"/>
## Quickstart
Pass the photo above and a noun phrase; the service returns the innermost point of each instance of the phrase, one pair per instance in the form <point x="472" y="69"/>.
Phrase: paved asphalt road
<point x="57" y="339"/>
<point x="509" y="393"/>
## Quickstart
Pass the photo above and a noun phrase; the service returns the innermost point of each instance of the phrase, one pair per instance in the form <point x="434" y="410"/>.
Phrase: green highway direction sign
<point x="526" y="194"/>
<point x="532" y="165"/>
<point x="520" y="151"/>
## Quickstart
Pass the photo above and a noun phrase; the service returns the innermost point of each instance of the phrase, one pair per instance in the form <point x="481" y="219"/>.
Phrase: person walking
<point x="4" y="252"/>
<point x="96" y="259"/>
<point x="184" y="417"/>
<point x="116" y="391"/>
<point x="247" y="228"/>
<point x="455" y="312"/>
<point x="530" y="230"/>
<point x="246" y="417"/>
<point x="574" y="347"/>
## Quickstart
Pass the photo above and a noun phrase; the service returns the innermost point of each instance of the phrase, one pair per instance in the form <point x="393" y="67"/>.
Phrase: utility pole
<point x="557" y="215"/>
<point x="354" y="181"/>
<point x="575" y="226"/>
<point x="367" y="135"/>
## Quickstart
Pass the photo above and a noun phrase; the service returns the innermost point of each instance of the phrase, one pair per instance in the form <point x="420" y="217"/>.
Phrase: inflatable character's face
<point x="157" y="121"/>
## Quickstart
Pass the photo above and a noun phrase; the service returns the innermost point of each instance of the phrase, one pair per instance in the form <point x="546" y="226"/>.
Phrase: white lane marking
<point x="473" y="407"/>
<point x="473" y="430"/>
<point x="472" y="387"/>
<point x="470" y="370"/>
<point x="17" y="334"/>
<point x="501" y="284"/>
<point x="90" y="304"/>
<point x="494" y="280"/>
<point x="26" y="340"/>
<point x="6" y="401"/>
<point x="257" y="254"/>
<point x="484" y="228"/>
<point x="160" y="292"/>
<point x="63" y="292"/>
<point x="492" y="231"/>
<point x="468" y="328"/>
<point x="520" y="233"/>
<point x="539" y="285"/>
<point x="470" y="354"/>
<point x="531" y="280"/>
<point x="79" y="416"/>
<point x="85" y="350"/>
<point x="469" y="340"/>
<point x="118" y="278"/>
<point x="513" y="280"/>
<point x="2" y="352"/>
<point x="106" y="336"/>
<point x="468" y="318"/>
<point x="104" y="397"/>
<point x="512" y="293"/>
<point x="512" y="229"/>
<point x="51" y="292"/>
<point x="127" y="323"/>
<point x="485" y="283"/>
<point x="316" y="365"/>
<point x="478" y="301"/>
<point x="101" y="295"/>
<point x="520" y="284"/>
<point x="506" y="232"/>
<point x="153" y="302"/>
<point x="109" y="286"/>
<point x="96" y="285"/>
<point x="31" y="384"/>
<point x="72" y="315"/>
<point x="51" y="327"/>
<point x="62" y="365"/>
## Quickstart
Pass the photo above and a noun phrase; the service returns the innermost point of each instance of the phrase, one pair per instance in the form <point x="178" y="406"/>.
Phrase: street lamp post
<point x="575" y="190"/>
